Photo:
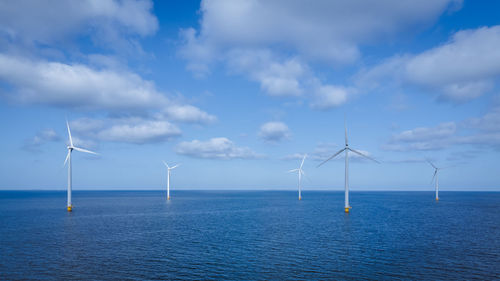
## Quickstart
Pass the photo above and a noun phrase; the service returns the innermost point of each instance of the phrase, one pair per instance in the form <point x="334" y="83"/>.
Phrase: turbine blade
<point x="294" y="170"/>
<point x="331" y="157"/>
<point x="434" y="176"/>
<point x="345" y="131"/>
<point x="304" y="158"/>
<point x="359" y="153"/>
<point x="431" y="164"/>
<point x="67" y="157"/>
<point x="175" y="166"/>
<point x="69" y="133"/>
<point x="302" y="172"/>
<point x="84" y="150"/>
<point x="166" y="164"/>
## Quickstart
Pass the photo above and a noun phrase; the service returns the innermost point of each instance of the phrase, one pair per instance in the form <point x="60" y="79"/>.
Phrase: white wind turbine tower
<point x="346" y="183"/>
<point x="436" y="176"/>
<point x="300" y="172"/>
<point x="71" y="147"/>
<point x="168" y="177"/>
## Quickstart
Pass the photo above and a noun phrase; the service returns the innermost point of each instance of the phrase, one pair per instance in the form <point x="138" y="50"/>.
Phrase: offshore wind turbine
<point x="346" y="149"/>
<point x="436" y="176"/>
<point x="168" y="177"/>
<point x="300" y="172"/>
<point x="71" y="147"/>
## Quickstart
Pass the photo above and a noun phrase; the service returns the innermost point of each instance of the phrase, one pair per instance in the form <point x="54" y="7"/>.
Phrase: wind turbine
<point x="346" y="183"/>
<point x="71" y="147"/>
<point x="436" y="176"/>
<point x="168" y="177"/>
<point x="300" y="172"/>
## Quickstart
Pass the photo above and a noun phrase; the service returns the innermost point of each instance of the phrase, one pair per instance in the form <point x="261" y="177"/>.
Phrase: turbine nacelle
<point x="170" y="168"/>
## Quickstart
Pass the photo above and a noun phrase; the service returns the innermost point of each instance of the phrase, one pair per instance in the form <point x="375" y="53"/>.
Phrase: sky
<point x="237" y="91"/>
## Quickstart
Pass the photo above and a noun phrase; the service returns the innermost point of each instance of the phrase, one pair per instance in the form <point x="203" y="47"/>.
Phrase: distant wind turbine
<point x="168" y="177"/>
<point x="71" y="147"/>
<point x="436" y="176"/>
<point x="346" y="184"/>
<point x="300" y="172"/>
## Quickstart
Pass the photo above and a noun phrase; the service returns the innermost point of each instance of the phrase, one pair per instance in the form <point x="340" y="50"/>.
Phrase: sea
<point x="249" y="235"/>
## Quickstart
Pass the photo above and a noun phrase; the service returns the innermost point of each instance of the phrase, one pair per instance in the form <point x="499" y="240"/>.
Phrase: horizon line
<point x="270" y="189"/>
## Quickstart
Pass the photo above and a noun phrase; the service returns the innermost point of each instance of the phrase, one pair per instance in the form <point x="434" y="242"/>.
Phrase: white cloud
<point x="42" y="137"/>
<point x="274" y="131"/>
<point x="141" y="131"/>
<point x="294" y="156"/>
<point x="127" y="130"/>
<point x="273" y="42"/>
<point x="52" y="22"/>
<point x="215" y="148"/>
<point x="490" y="122"/>
<point x="443" y="130"/>
<point x="275" y="77"/>
<point x="188" y="114"/>
<point x="329" y="96"/>
<point x="423" y="138"/>
<point x="77" y="86"/>
<point x="480" y="131"/>
<point x="321" y="30"/>
<point x="464" y="68"/>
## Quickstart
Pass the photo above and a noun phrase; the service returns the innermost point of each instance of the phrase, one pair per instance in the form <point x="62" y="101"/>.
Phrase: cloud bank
<point x="215" y="148"/>
<point x="460" y="70"/>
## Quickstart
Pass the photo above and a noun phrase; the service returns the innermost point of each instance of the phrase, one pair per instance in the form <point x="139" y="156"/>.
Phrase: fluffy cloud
<point x="215" y="148"/>
<point x="423" y="138"/>
<point x="479" y="131"/>
<point x="42" y="137"/>
<point x="274" y="131"/>
<point x="128" y="130"/>
<point x="188" y="114"/>
<point x="322" y="30"/>
<point x="329" y="96"/>
<point x="294" y="156"/>
<point x="79" y="86"/>
<point x="76" y="86"/>
<point x="241" y="35"/>
<point x="419" y="134"/>
<point x="277" y="78"/>
<point x="54" y="21"/>
<point x="464" y="68"/>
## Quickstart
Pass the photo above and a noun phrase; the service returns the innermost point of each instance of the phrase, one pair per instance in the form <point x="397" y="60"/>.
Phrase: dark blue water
<point x="249" y="236"/>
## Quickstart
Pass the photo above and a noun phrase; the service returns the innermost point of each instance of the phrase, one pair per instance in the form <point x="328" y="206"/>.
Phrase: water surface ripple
<point x="254" y="235"/>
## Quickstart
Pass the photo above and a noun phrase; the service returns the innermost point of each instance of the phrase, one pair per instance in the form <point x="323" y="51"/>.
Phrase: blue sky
<point x="237" y="91"/>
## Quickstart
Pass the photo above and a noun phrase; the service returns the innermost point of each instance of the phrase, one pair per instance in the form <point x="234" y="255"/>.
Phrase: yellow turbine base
<point x="168" y="198"/>
<point x="70" y="208"/>
<point x="437" y="199"/>
<point x="300" y="198"/>
<point x="347" y="209"/>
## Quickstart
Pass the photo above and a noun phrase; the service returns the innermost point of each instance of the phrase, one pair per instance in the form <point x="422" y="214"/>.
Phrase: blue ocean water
<point x="249" y="235"/>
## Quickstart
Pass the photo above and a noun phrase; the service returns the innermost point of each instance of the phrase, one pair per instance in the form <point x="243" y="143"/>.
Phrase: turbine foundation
<point x="70" y="208"/>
